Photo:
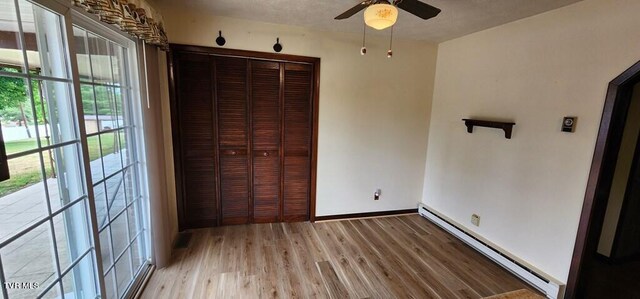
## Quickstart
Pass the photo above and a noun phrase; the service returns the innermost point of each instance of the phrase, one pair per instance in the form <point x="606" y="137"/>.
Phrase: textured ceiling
<point x="458" y="17"/>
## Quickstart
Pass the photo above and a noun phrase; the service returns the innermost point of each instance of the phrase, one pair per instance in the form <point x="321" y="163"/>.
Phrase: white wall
<point x="373" y="118"/>
<point x="528" y="190"/>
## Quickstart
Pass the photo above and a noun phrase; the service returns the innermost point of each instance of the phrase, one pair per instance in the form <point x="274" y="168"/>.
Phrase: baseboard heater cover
<point x="550" y="287"/>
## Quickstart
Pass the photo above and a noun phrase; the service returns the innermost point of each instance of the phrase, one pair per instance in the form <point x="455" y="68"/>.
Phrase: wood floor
<point x="390" y="257"/>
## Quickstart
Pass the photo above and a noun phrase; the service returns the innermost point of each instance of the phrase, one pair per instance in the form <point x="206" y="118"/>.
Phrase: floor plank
<point x="334" y="286"/>
<point x="519" y="294"/>
<point x="393" y="257"/>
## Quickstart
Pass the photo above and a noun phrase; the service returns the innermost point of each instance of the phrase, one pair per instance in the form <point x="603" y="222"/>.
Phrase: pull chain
<point x="363" y="50"/>
<point x="390" y="52"/>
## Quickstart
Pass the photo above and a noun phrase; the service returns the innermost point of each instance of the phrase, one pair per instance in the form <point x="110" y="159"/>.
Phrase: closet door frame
<point x="274" y="57"/>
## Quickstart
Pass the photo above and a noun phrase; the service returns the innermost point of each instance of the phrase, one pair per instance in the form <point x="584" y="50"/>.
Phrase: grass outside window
<point x="25" y="171"/>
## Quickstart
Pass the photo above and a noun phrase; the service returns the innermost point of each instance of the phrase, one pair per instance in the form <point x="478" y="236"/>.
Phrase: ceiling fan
<point x="381" y="14"/>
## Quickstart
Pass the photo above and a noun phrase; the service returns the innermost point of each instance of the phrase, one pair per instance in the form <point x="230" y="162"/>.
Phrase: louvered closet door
<point x="197" y="146"/>
<point x="233" y="128"/>
<point x="266" y="125"/>
<point x="297" y="141"/>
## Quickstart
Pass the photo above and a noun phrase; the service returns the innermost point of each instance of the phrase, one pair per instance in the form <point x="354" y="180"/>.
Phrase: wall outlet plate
<point x="475" y="219"/>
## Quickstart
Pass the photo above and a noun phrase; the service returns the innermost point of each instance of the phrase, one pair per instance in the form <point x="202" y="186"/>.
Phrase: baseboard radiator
<point x="548" y="286"/>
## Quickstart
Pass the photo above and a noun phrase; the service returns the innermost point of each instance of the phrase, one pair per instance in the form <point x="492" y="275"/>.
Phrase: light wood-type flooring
<point x="389" y="257"/>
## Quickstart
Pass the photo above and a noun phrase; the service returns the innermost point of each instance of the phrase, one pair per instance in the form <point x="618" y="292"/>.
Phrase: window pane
<point x="119" y="234"/>
<point x="10" y="48"/>
<point x="131" y="189"/>
<point x="51" y="287"/>
<point x="46" y="28"/>
<point x="123" y="273"/>
<point x="95" y="154"/>
<point x="72" y="234"/>
<point x="100" y="195"/>
<point x="105" y="248"/>
<point x="53" y="293"/>
<point x="29" y="259"/>
<point x="80" y="282"/>
<point x="137" y="254"/>
<point x="128" y="152"/>
<point x="109" y="281"/>
<point x="117" y="63"/>
<point x="115" y="195"/>
<point x="16" y="112"/>
<point x="111" y="153"/>
<point x="100" y="60"/>
<point x="119" y="107"/>
<point x="22" y="198"/>
<point x="63" y="166"/>
<point x="105" y="106"/>
<point x="55" y="108"/>
<point x="82" y="54"/>
<point x="91" y="122"/>
<point x="134" y="221"/>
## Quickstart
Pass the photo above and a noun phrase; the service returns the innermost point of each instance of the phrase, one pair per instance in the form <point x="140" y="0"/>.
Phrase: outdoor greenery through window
<point x="48" y="242"/>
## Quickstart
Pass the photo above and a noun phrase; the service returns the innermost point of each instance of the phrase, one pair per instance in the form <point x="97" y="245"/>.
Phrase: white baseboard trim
<point x="546" y="284"/>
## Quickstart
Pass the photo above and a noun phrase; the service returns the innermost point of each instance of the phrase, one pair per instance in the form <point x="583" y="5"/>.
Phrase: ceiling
<point x="458" y="17"/>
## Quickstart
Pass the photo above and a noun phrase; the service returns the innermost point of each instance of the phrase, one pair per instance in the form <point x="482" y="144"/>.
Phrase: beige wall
<point x="621" y="175"/>
<point x="168" y="148"/>
<point x="528" y="190"/>
<point x="373" y="118"/>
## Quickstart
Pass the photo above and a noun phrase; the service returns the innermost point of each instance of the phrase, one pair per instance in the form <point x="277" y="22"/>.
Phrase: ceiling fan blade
<point x="362" y="5"/>
<point x="422" y="10"/>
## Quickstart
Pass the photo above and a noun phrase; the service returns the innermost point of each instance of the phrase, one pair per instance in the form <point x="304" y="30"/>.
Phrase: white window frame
<point x="91" y="23"/>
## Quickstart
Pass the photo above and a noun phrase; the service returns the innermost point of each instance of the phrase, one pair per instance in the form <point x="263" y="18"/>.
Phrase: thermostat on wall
<point x="569" y="124"/>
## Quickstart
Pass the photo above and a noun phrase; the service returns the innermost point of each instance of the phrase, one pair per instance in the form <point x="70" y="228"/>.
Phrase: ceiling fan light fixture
<point x="380" y="16"/>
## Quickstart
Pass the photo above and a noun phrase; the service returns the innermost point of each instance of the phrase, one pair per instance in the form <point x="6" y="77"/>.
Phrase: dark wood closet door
<point x="233" y="138"/>
<point x="297" y="140"/>
<point x="266" y="134"/>
<point x="244" y="126"/>
<point x="197" y="143"/>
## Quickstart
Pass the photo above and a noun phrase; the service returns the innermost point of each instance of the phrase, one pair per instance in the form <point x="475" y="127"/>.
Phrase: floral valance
<point x="135" y="17"/>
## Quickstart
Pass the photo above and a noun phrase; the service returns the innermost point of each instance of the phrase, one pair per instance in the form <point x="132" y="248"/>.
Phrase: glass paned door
<point x="107" y="92"/>
<point x="46" y="248"/>
<point x="72" y="214"/>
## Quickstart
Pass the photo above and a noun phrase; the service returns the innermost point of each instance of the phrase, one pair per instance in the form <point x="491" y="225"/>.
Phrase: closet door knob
<point x="266" y="154"/>
<point x="233" y="153"/>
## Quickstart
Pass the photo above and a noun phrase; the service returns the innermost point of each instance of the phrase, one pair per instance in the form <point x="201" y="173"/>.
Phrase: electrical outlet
<point x="475" y="219"/>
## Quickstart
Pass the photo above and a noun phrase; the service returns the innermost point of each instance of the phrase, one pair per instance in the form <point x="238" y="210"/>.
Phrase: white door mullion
<point x="86" y="163"/>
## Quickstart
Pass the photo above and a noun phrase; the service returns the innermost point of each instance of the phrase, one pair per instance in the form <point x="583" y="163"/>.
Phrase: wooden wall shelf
<point x="506" y="126"/>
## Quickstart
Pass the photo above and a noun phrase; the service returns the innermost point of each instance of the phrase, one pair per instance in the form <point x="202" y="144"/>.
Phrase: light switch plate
<point x="569" y="124"/>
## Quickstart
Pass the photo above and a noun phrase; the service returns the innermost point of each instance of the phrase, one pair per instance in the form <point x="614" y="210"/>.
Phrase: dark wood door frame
<point x="600" y="179"/>
<point x="313" y="61"/>
<point x="629" y="195"/>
